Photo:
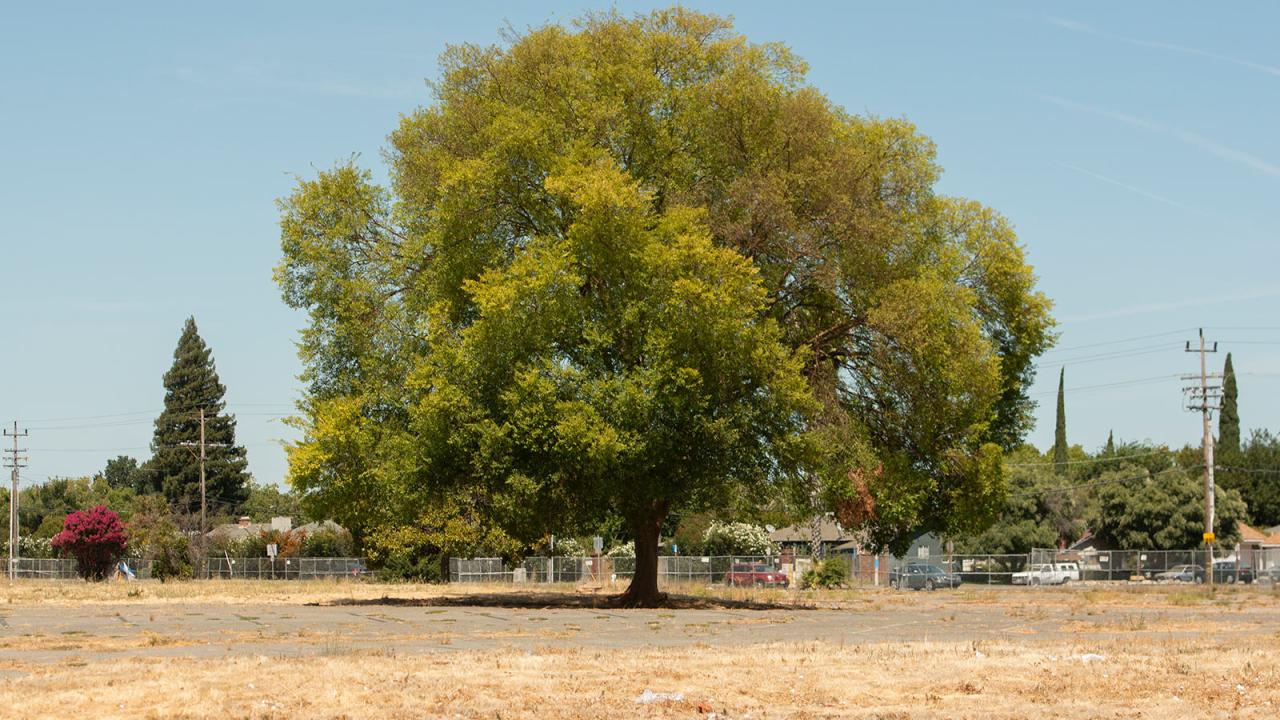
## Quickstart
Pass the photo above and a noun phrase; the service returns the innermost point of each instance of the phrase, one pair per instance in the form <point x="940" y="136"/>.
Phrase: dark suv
<point x="922" y="576"/>
<point x="1227" y="572"/>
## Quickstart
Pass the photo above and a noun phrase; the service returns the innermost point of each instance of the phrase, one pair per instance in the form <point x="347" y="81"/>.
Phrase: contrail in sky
<point x="1080" y="27"/>
<point x="1126" y="186"/>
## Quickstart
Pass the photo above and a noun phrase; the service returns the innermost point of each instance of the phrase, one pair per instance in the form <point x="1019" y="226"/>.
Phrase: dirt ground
<point x="354" y="650"/>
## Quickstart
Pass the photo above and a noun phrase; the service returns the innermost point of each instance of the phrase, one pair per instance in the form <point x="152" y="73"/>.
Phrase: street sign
<point x="1209" y="537"/>
<point x="271" y="550"/>
<point x="597" y="542"/>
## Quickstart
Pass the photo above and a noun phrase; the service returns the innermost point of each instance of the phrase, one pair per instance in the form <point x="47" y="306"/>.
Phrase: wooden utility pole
<point x="1205" y="398"/>
<point x="15" y="462"/>
<point x="202" y="456"/>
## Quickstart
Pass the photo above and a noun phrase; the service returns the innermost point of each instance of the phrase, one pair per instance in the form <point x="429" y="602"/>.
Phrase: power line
<point x="1117" y="342"/>
<point x="1119" y="383"/>
<point x="1256" y="471"/>
<point x="157" y="411"/>
<point x="1113" y="458"/>
<point x="1113" y="355"/>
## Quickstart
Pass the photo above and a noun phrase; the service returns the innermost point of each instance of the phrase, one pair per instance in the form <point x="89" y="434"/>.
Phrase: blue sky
<point x="143" y="146"/>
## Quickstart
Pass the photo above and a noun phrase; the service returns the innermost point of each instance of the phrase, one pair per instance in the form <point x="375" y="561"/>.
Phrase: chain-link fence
<point x="223" y="567"/>
<point x="885" y="570"/>
<point x="294" y="568"/>
<point x="65" y="569"/>
<point x="734" y="570"/>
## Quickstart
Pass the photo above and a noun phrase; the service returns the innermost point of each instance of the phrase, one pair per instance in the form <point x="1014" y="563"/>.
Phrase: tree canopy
<point x="1229" y="417"/>
<point x="192" y="385"/>
<point x="638" y="264"/>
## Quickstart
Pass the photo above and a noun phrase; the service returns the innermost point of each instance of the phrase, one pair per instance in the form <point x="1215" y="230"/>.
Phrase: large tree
<point x="191" y="387"/>
<point x="1060" y="427"/>
<point x="561" y="195"/>
<point x="1229" y="418"/>
<point x="1255" y="473"/>
<point x="1163" y="510"/>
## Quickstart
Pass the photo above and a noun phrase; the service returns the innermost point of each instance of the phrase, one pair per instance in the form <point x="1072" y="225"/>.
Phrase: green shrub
<point x="408" y="567"/>
<point x="831" y="573"/>
<point x="170" y="558"/>
<point x="327" y="543"/>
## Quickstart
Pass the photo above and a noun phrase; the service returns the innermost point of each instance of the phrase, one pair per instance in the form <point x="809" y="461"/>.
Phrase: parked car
<point x="1226" y="572"/>
<point x="922" y="576"/>
<point x="1072" y="569"/>
<point x="755" y="575"/>
<point x="1181" y="573"/>
<point x="1042" y="574"/>
<point x="1271" y="575"/>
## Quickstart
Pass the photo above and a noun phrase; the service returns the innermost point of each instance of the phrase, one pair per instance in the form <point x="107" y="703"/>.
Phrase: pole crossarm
<point x="15" y="462"/>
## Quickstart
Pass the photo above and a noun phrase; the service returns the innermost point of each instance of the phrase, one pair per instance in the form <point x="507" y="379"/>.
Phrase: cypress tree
<point x="1060" y="431"/>
<point x="1229" y="418"/>
<point x="191" y="385"/>
<point x="1111" y="444"/>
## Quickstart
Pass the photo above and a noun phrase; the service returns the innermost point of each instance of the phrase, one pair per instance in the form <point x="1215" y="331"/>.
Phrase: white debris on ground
<point x="1091" y="658"/>
<point x="648" y="696"/>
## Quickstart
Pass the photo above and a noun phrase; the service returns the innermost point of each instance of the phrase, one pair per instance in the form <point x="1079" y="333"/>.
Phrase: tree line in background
<point x="157" y="502"/>
<point x="1135" y="495"/>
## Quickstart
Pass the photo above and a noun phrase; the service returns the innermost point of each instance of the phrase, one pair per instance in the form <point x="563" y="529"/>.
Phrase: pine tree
<point x="1229" y="418"/>
<point x="1060" y="431"/>
<point x="1111" y="444"/>
<point x="192" y="385"/>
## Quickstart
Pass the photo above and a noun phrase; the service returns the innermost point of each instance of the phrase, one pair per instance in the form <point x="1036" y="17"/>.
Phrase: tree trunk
<point x="643" y="591"/>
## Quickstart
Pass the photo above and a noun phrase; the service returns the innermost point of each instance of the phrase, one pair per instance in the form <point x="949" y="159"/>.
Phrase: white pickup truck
<point x="1043" y="574"/>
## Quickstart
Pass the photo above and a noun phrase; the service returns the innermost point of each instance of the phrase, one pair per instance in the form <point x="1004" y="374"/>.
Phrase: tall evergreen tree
<point x="1060" y="431"/>
<point x="1111" y="444"/>
<point x="192" y="385"/>
<point x="1229" y="418"/>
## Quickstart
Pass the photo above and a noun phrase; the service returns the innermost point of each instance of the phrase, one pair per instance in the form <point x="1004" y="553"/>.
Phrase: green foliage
<point x="327" y="543"/>
<point x="1037" y="511"/>
<point x="124" y="472"/>
<point x="267" y="500"/>
<point x="1060" y="428"/>
<point x="828" y="574"/>
<point x="620" y="268"/>
<point x="736" y="539"/>
<point x="1229" y="417"/>
<point x="1139" y="509"/>
<point x="420" y="551"/>
<point x="1254" y="472"/>
<point x="42" y="508"/>
<point x="192" y="385"/>
<point x="155" y="538"/>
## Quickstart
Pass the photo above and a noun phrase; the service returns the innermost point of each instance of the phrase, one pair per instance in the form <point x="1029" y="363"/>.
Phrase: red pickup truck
<point x="755" y="575"/>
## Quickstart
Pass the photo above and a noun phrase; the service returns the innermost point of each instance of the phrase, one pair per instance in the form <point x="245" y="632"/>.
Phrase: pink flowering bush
<point x="95" y="538"/>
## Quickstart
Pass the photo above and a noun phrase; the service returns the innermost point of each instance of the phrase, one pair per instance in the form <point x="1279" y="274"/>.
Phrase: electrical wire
<point x="1114" y="458"/>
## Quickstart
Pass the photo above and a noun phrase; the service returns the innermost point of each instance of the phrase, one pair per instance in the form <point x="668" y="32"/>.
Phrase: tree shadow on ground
<point x="563" y="601"/>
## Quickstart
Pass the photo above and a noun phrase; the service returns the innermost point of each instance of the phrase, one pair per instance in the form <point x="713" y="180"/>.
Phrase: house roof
<point x="1268" y="538"/>
<point x="830" y="532"/>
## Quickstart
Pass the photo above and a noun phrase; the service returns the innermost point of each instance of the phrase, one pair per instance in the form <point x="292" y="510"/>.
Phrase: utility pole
<point x="202" y="457"/>
<point x="15" y="461"/>
<point x="1205" y="398"/>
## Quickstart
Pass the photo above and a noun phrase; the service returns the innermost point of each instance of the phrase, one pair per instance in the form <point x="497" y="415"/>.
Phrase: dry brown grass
<point x="1145" y="673"/>
<point x="923" y="680"/>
